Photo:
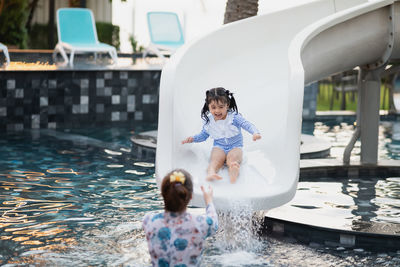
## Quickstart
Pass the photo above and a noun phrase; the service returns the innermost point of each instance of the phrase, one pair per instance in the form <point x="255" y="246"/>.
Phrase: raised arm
<point x="209" y="221"/>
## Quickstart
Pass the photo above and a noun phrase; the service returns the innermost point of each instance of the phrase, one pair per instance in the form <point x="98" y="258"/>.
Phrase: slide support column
<point x="369" y="98"/>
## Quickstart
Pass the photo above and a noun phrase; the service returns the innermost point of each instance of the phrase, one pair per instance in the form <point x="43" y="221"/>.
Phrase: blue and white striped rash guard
<point x="226" y="133"/>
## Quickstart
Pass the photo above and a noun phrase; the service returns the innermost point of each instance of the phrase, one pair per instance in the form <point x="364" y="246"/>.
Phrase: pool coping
<point x="43" y="56"/>
<point x="331" y="237"/>
<point x="336" y="237"/>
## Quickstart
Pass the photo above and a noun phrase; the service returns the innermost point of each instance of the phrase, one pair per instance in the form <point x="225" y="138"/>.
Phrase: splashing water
<point x="237" y="242"/>
<point x="239" y="227"/>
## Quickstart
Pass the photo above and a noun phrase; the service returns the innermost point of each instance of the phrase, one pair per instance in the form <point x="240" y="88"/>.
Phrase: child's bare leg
<point x="233" y="160"/>
<point x="217" y="160"/>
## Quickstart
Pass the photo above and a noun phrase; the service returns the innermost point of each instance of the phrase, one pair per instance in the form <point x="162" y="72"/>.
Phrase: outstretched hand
<point x="256" y="136"/>
<point x="187" y="140"/>
<point x="207" y="195"/>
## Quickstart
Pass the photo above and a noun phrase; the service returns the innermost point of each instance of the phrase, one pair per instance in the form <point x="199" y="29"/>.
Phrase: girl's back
<point x="177" y="238"/>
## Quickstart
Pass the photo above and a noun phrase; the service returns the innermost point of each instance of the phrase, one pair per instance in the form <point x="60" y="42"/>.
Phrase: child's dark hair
<point x="177" y="189"/>
<point x="218" y="94"/>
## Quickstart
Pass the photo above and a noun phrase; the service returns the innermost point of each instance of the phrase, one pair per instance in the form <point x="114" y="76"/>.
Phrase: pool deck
<point x="41" y="59"/>
<point x="314" y="163"/>
<point x="316" y="226"/>
<point x="124" y="64"/>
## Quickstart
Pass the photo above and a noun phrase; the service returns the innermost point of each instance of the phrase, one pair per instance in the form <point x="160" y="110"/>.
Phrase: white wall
<point x="123" y="15"/>
<point x="102" y="10"/>
<point x="197" y="16"/>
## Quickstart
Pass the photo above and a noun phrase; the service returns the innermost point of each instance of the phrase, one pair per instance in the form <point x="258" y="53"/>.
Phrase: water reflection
<point x="56" y="194"/>
<point x="392" y="131"/>
<point x="363" y="192"/>
<point x="388" y="199"/>
<point x="340" y="133"/>
<point x="81" y="203"/>
<point x="362" y="204"/>
<point x="34" y="206"/>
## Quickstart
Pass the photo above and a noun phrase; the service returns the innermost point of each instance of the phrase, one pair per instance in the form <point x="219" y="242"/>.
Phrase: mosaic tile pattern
<point x="75" y="99"/>
<point x="72" y="99"/>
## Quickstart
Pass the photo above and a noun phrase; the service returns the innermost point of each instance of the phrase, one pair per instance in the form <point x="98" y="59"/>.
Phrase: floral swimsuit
<point x="176" y="239"/>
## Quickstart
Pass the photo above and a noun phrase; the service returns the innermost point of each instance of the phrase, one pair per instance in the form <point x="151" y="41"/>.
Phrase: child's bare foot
<point x="234" y="172"/>
<point x="212" y="177"/>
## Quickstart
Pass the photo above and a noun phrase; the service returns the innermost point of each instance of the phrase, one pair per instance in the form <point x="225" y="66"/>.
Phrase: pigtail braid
<point x="232" y="101"/>
<point x="205" y="108"/>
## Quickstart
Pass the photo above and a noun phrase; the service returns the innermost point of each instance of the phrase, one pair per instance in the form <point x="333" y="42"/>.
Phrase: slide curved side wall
<point x="256" y="59"/>
<point x="364" y="35"/>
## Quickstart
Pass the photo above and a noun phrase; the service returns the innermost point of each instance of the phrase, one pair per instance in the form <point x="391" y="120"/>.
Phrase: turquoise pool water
<point x="59" y="188"/>
<point x="77" y="197"/>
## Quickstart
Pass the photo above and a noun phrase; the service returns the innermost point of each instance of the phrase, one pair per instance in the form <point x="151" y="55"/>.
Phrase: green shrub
<point x="38" y="37"/>
<point x="135" y="47"/>
<point x="328" y="99"/>
<point x="108" y="33"/>
<point x="13" y="18"/>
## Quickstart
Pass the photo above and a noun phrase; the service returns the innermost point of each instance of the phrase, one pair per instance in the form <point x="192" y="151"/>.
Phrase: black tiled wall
<point x="72" y="99"/>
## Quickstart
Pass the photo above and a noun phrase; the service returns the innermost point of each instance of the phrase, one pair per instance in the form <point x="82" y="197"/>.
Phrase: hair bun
<point x="181" y="191"/>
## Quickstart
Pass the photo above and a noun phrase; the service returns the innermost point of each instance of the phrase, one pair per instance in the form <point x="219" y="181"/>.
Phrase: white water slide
<point x="266" y="61"/>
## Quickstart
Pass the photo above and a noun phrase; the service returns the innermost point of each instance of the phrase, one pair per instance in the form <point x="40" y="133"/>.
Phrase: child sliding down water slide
<point x="223" y="123"/>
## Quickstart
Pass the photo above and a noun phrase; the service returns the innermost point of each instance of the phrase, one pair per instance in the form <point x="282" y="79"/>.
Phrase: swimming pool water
<point x="55" y="192"/>
<point x="77" y="197"/>
<point x="340" y="133"/>
<point x="370" y="205"/>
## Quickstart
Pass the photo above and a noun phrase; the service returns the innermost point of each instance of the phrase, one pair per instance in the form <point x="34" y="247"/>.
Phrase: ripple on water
<point x="144" y="164"/>
<point x="361" y="204"/>
<point x="62" y="206"/>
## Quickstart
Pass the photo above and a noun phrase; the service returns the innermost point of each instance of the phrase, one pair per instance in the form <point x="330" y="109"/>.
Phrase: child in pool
<point x="223" y="123"/>
<point x="175" y="237"/>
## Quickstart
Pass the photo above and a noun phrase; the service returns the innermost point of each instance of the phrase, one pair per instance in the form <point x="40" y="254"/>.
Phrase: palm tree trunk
<point x="32" y="8"/>
<point x="240" y="9"/>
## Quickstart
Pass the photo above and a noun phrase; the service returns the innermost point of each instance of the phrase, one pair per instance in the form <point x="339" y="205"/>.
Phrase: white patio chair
<point x="77" y="34"/>
<point x="166" y="34"/>
<point x="5" y="51"/>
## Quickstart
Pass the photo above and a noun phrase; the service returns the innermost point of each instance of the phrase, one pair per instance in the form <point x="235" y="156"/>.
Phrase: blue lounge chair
<point x="5" y="51"/>
<point x="77" y="34"/>
<point x="166" y="33"/>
